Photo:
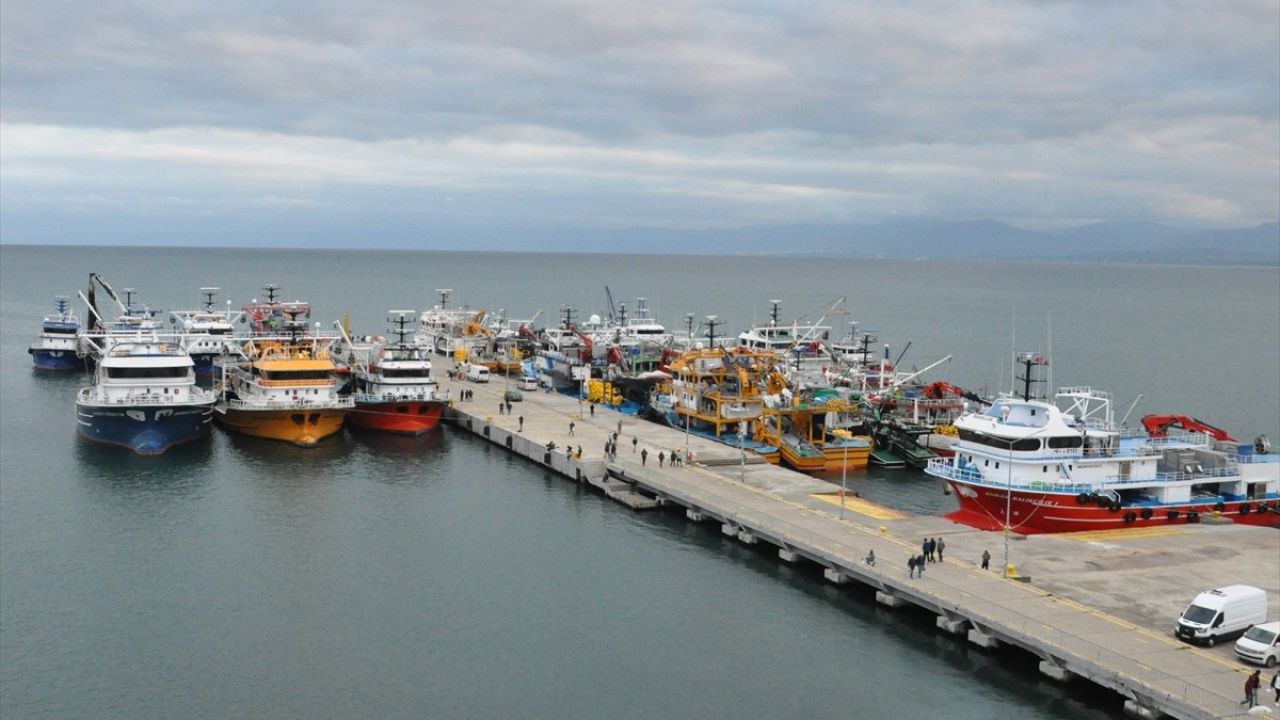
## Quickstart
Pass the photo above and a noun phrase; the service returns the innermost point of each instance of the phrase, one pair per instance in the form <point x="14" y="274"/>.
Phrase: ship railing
<point x="398" y="397"/>
<point x="1210" y="474"/>
<point x="944" y="468"/>
<point x="331" y="404"/>
<point x="313" y="383"/>
<point x="86" y="396"/>
<point x="1253" y="458"/>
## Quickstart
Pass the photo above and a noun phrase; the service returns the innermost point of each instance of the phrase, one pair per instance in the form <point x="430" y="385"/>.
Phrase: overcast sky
<point x="415" y="122"/>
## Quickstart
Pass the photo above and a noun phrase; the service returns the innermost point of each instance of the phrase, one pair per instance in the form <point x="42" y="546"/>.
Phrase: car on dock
<point x="528" y="382"/>
<point x="513" y="395"/>
<point x="1261" y="644"/>
<point x="477" y="373"/>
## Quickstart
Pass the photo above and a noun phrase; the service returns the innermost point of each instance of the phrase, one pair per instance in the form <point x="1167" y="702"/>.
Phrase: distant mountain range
<point x="1105" y="242"/>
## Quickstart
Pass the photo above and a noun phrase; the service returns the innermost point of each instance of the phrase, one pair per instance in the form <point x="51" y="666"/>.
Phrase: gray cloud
<point x="691" y="113"/>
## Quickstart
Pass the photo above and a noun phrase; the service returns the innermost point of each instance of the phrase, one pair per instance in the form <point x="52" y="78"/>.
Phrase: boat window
<point x="986" y="463"/>
<point x="60" y="331"/>
<point x="998" y="442"/>
<point x="1058" y="442"/>
<point x="402" y="373"/>
<point x="135" y="373"/>
<point x="997" y="466"/>
<point x="296" y="374"/>
<point x="1044" y="468"/>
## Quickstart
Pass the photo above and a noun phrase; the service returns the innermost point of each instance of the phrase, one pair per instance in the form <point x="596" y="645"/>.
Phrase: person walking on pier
<point x="1251" y="684"/>
<point x="920" y="564"/>
<point x="500" y="407"/>
<point x="521" y="421"/>
<point x="986" y="560"/>
<point x="508" y="407"/>
<point x="924" y="548"/>
<point x="1275" y="685"/>
<point x="911" y="566"/>
<point x="942" y="545"/>
<point x="570" y="428"/>
<point x="619" y="426"/>
<point x="634" y="442"/>
<point x="644" y="456"/>
<point x="592" y="407"/>
<point x="661" y="457"/>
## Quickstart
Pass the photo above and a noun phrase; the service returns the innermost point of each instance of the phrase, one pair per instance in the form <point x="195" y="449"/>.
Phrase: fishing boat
<point x="273" y="316"/>
<point x="445" y="330"/>
<point x="144" y="396"/>
<point x="717" y="394"/>
<point x="814" y="429"/>
<point x="1037" y="467"/>
<point x="285" y="388"/>
<point x="392" y="383"/>
<point x="206" y="334"/>
<point x="562" y="358"/>
<point x="55" y="348"/>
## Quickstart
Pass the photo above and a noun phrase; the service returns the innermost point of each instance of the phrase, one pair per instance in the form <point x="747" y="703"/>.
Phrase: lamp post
<point x="742" y="447"/>
<point x="844" y="471"/>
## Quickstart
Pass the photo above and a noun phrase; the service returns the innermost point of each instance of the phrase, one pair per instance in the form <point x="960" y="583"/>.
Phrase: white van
<point x="1261" y="644"/>
<point x="528" y="382"/>
<point x="1216" y="614"/>
<point x="478" y="373"/>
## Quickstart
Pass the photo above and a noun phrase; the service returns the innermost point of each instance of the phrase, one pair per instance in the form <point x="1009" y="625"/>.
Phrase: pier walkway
<point x="1098" y="606"/>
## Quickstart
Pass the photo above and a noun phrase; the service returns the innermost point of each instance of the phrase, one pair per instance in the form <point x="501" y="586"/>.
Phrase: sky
<point x="429" y="124"/>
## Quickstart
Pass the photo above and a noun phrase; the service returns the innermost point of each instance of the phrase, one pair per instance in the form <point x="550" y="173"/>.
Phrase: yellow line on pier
<point x="861" y="506"/>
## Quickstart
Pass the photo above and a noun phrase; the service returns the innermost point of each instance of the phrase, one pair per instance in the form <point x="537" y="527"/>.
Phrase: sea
<point x="439" y="577"/>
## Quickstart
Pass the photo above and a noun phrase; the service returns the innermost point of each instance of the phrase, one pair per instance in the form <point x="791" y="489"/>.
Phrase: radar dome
<point x="594" y="319"/>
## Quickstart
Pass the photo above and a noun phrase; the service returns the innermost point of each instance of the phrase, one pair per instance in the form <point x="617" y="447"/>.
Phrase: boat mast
<point x="209" y="294"/>
<point x="1030" y="361"/>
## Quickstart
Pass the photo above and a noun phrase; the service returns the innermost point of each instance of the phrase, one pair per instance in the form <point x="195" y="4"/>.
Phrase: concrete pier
<point x="1100" y="605"/>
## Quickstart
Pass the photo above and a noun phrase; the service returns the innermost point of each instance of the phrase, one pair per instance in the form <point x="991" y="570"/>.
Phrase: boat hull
<point x="56" y="359"/>
<point x="812" y="463"/>
<point x="144" y="429"/>
<point x="405" y="418"/>
<point x="855" y="458"/>
<point x="1031" y="512"/>
<point x="302" y="426"/>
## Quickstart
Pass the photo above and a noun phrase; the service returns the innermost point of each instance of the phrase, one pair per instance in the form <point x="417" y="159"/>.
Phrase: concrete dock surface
<point x="1099" y="605"/>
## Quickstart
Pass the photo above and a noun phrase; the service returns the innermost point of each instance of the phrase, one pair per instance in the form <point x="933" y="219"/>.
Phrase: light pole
<point x="1008" y="507"/>
<point x="844" y="471"/>
<point x="742" y="447"/>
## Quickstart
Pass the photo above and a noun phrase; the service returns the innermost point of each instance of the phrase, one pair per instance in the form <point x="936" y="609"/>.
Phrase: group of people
<point x="465" y="394"/>
<point x="930" y="551"/>
<point x="1253" y="682"/>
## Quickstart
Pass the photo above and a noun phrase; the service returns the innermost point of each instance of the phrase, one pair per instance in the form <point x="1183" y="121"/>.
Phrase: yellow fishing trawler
<point x="813" y="429"/>
<point x="283" y="390"/>
<point x="717" y="394"/>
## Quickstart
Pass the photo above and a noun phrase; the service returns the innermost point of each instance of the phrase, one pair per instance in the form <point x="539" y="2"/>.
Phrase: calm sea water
<point x="438" y="577"/>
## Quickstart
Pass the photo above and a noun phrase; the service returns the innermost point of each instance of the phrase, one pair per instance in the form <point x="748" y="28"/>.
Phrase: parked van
<point x="528" y="382"/>
<point x="478" y="373"/>
<point x="1216" y="614"/>
<point x="1261" y="644"/>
